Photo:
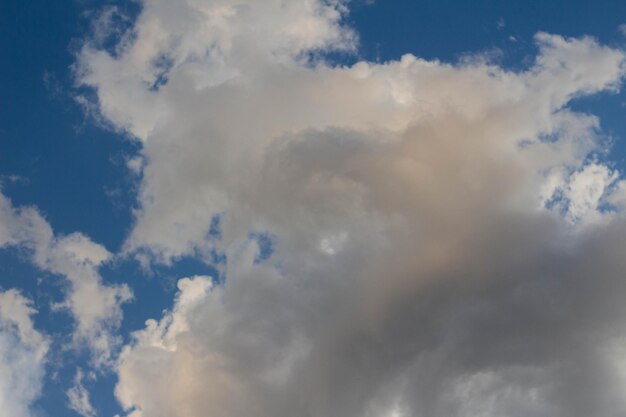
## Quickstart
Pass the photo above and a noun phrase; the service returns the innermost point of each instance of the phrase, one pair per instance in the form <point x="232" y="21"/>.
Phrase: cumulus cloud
<point x="446" y="240"/>
<point x="96" y="307"/>
<point x="22" y="355"/>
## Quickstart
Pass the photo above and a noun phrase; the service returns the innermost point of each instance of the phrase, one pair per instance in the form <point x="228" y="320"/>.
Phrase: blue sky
<point x="74" y="117"/>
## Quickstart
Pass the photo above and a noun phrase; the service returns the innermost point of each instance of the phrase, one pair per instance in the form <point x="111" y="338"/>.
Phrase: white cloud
<point x="586" y="189"/>
<point x="413" y="272"/>
<point x="581" y="194"/>
<point x="78" y="397"/>
<point x="22" y="355"/>
<point x="94" y="305"/>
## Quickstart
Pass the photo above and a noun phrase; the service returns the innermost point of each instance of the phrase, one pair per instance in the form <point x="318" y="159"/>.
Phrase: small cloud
<point x="135" y="164"/>
<point x="12" y="179"/>
<point x="622" y="29"/>
<point x="500" y="24"/>
<point x="52" y="85"/>
<point x="78" y="397"/>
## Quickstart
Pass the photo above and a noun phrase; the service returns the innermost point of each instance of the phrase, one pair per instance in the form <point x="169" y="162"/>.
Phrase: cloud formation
<point x="22" y="355"/>
<point x="95" y="307"/>
<point x="78" y="397"/>
<point x="446" y="238"/>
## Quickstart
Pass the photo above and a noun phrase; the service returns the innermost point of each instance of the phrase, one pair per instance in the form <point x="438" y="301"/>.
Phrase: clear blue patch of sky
<point x="67" y="166"/>
<point x="445" y="29"/>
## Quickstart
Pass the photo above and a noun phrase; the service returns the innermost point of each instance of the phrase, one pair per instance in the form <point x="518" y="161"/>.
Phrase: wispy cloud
<point x="95" y="307"/>
<point x="78" y="397"/>
<point x="23" y="352"/>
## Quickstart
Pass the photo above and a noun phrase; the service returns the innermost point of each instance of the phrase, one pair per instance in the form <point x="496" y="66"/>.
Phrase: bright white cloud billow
<point x="22" y="354"/>
<point x="447" y="242"/>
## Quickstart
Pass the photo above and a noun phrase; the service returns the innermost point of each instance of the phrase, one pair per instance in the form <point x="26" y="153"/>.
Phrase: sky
<point x="319" y="208"/>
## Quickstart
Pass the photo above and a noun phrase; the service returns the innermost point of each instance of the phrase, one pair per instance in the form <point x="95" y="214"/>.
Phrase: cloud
<point x="78" y="397"/>
<point x="447" y="241"/>
<point x="22" y="355"/>
<point x="95" y="307"/>
<point x="586" y="189"/>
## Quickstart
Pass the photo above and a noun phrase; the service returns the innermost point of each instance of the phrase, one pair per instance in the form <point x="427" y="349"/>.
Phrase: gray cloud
<point x="440" y="247"/>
